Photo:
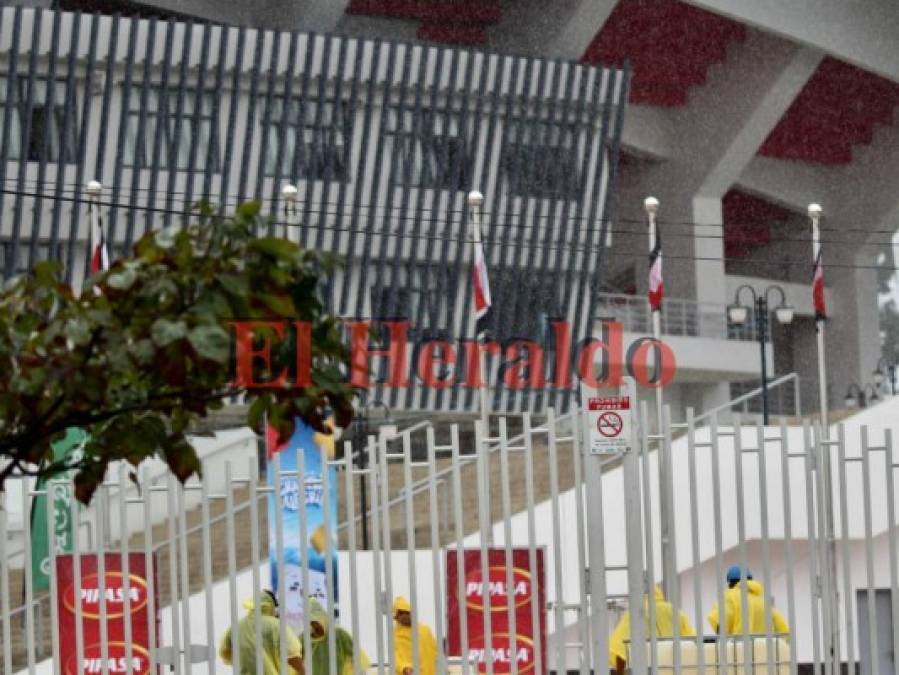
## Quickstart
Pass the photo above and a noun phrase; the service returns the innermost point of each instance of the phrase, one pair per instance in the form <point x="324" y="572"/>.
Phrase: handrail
<point x="750" y="395"/>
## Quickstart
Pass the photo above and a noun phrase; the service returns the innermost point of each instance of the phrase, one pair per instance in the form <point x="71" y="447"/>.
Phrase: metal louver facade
<point x="382" y="139"/>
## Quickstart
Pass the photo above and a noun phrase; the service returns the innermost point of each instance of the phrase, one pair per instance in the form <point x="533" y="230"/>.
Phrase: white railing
<point x="743" y="494"/>
<point x="680" y="317"/>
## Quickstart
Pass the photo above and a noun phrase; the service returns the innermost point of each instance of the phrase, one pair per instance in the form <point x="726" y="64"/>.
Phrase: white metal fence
<point x="747" y="495"/>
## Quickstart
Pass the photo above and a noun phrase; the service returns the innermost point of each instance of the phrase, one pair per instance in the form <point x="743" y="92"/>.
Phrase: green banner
<point x="71" y="445"/>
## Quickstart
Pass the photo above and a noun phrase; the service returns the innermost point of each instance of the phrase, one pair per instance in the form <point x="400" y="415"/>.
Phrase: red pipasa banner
<point x="138" y="593"/>
<point x="525" y="590"/>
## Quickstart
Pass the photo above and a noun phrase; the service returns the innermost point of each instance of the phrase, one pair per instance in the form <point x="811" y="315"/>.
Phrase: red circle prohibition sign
<point x="609" y="424"/>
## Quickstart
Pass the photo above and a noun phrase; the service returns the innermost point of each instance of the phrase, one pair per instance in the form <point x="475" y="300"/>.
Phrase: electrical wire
<point x="511" y="214"/>
<point x="382" y="210"/>
<point x="569" y="248"/>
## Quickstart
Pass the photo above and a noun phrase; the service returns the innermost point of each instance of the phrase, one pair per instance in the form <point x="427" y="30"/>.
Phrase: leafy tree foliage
<point x="147" y="348"/>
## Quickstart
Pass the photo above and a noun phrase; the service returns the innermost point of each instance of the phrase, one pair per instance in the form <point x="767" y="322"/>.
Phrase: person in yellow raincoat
<point x="270" y="636"/>
<point x="319" y="662"/>
<point x="664" y="628"/>
<point x="404" y="654"/>
<point x="757" y="609"/>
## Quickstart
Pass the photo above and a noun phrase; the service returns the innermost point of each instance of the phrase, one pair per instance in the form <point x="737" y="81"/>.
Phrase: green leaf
<point x="210" y="342"/>
<point x="165" y="332"/>
<point x="249" y="209"/>
<point x="275" y="247"/>
<point x="282" y="305"/>
<point x="123" y="280"/>
<point x="78" y="331"/>
<point x="165" y="238"/>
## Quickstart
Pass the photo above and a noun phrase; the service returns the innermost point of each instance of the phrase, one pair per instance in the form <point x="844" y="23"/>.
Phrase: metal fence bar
<point x="506" y="499"/>
<point x="124" y="563"/>
<point x="253" y="478"/>
<point x="788" y="537"/>
<point x="719" y="541"/>
<point x="75" y="511"/>
<point x="869" y="553"/>
<point x="436" y="549"/>
<point x="232" y="570"/>
<point x="483" y="467"/>
<point x="304" y="560"/>
<point x="351" y="545"/>
<point x="330" y="555"/>
<point x="761" y="441"/>
<point x="460" y="548"/>
<point x="375" y="497"/>
<point x="891" y="536"/>
<point x="741" y="547"/>
<point x="822" y="456"/>
<point x="694" y="532"/>
<point x="581" y="537"/>
<point x="207" y="576"/>
<point x="175" y="595"/>
<point x="387" y="549"/>
<point x="648" y="581"/>
<point x="553" y="456"/>
<point x="29" y="579"/>
<point x="4" y="589"/>
<point x="808" y="461"/>
<point x="277" y="495"/>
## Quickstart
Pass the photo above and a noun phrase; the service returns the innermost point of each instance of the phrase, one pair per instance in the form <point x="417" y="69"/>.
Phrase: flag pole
<point x="94" y="189"/>
<point x="289" y="194"/>
<point x="651" y="206"/>
<point x="833" y="640"/>
<point x="475" y="201"/>
<point x="815" y="211"/>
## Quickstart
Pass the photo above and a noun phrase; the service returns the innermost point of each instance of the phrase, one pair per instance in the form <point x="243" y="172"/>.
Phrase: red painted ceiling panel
<point x="747" y="222"/>
<point x="670" y="46"/>
<point x="839" y="107"/>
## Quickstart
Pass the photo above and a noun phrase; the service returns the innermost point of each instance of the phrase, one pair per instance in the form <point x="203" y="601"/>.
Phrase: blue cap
<point x="734" y="573"/>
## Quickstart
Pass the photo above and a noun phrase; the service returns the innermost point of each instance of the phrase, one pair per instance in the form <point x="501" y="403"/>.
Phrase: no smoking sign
<point x="608" y="424"/>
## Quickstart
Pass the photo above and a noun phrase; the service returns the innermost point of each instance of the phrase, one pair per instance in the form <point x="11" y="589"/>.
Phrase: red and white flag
<point x="818" y="289"/>
<point x="99" y="252"/>
<point x="656" y="285"/>
<point x="481" y="288"/>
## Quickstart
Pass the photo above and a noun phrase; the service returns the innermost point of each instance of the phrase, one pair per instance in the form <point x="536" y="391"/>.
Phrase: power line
<point x="510" y="214"/>
<point x="568" y="248"/>
<point x="510" y="225"/>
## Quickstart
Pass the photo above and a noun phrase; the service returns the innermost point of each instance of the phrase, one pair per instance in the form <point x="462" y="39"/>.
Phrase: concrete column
<point x="853" y="329"/>
<point x="709" y="243"/>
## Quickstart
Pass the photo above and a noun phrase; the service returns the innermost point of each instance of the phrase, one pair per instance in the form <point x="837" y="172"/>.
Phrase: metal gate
<point x="521" y="499"/>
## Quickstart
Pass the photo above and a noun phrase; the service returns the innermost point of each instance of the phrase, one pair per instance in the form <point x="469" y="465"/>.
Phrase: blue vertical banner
<point x="310" y="499"/>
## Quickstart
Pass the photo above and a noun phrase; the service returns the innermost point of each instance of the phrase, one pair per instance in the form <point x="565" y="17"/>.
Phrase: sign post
<point x="610" y="432"/>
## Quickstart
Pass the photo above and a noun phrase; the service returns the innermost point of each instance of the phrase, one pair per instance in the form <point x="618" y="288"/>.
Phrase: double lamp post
<point x="738" y="314"/>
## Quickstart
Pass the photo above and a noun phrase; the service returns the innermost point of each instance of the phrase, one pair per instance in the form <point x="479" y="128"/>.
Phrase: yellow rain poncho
<point x="319" y="664"/>
<point x="756" y="611"/>
<point x="404" y="654"/>
<point x="664" y="627"/>
<point x="269" y="634"/>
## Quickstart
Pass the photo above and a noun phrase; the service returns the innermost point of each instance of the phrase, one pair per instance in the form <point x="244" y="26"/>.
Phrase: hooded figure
<point x="756" y="609"/>
<point x="664" y="628"/>
<point x="319" y="662"/>
<point x="404" y="649"/>
<point x="269" y="640"/>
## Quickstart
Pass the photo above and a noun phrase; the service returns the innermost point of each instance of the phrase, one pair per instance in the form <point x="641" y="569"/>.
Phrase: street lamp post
<point x="360" y="436"/>
<point x="738" y="313"/>
<point x="860" y="397"/>
<point x="880" y="376"/>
